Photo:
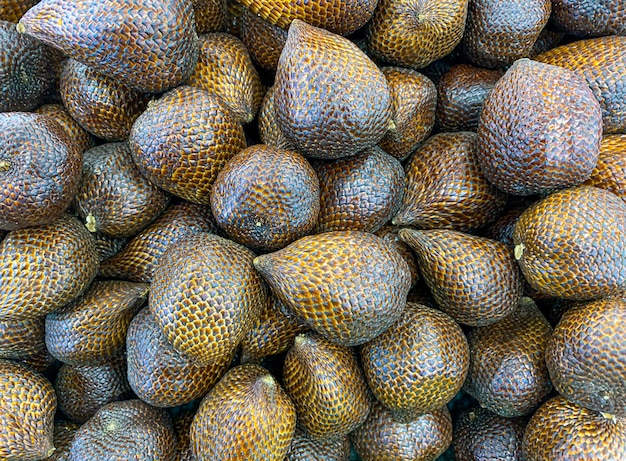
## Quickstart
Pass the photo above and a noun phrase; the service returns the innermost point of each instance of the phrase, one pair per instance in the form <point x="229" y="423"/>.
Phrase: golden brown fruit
<point x="480" y="435"/>
<point x="414" y="33"/>
<point x="81" y="138"/>
<point x="462" y="92"/>
<point x="226" y="69"/>
<point x="610" y="170"/>
<point x="602" y="63"/>
<point x="382" y="438"/>
<point x="24" y="341"/>
<point x="82" y="390"/>
<point x="327" y="387"/>
<point x="40" y="167"/>
<point x="27" y="411"/>
<point x="322" y="83"/>
<point x="92" y="329"/>
<point x="361" y="192"/>
<point x="349" y="286"/>
<point x="109" y="169"/>
<point x="445" y="188"/>
<point x="265" y="197"/>
<point x="498" y="33"/>
<point x="160" y="375"/>
<point x="413" y="101"/>
<point x="182" y="427"/>
<point x="563" y="431"/>
<point x="43" y="268"/>
<point x="149" y="45"/>
<point x="304" y="448"/>
<point x="585" y="356"/>
<point x="390" y="234"/>
<point x="13" y="10"/>
<point x="205" y="296"/>
<point x="264" y="40"/>
<point x="507" y="373"/>
<point x="473" y="279"/>
<point x="261" y="420"/>
<point x="120" y="431"/>
<point x="572" y="244"/>
<point x="108" y="246"/>
<point x="210" y="15"/>
<point x="590" y="18"/>
<point x="269" y="130"/>
<point x="102" y="105"/>
<point x="183" y="140"/>
<point x="64" y="432"/>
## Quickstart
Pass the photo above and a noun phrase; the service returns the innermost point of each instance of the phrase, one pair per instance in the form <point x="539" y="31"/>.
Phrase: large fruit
<point x="610" y="171"/>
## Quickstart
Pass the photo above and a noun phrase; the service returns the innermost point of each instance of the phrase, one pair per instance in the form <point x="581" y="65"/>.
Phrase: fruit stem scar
<point x="90" y="222"/>
<point x="4" y="166"/>
<point x="392" y="125"/>
<point x="519" y="251"/>
<point x="21" y="28"/>
<point x="608" y="416"/>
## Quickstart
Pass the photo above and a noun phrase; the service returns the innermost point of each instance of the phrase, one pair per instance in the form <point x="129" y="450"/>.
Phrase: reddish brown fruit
<point x="264" y="40"/>
<point x="610" y="171"/>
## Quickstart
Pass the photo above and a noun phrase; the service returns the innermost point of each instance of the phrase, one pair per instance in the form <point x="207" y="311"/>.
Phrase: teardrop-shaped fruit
<point x="264" y="40"/>
<point x="183" y="140"/>
<point x="76" y="132"/>
<point x="590" y="18"/>
<point x="160" y="375"/>
<point x="349" y="286"/>
<point x="149" y="45"/>
<point x="480" y="435"/>
<point x="27" y="411"/>
<point x="226" y="69"/>
<point x="210" y="15"/>
<point x="120" y="431"/>
<point x="205" y="296"/>
<point x="327" y="387"/>
<point x="304" y="448"/>
<point x="13" y="10"/>
<point x="361" y="192"/>
<point x="602" y="63"/>
<point x="322" y="83"/>
<point x="107" y="170"/>
<point x="498" y="33"/>
<point x="43" y="268"/>
<point x="24" y="341"/>
<point x="265" y="197"/>
<point x="507" y="373"/>
<point x="390" y="234"/>
<point x="610" y="170"/>
<point x="445" y="188"/>
<point x="102" y="105"/>
<point x="269" y="130"/>
<point x="82" y="390"/>
<point x="585" y="356"/>
<point x="64" y="432"/>
<point x="572" y="244"/>
<point x="417" y="365"/>
<point x="414" y="33"/>
<point x="92" y="328"/>
<point x="473" y="279"/>
<point x="382" y="438"/>
<point x="247" y="415"/>
<point x="561" y="431"/>
<point x="551" y="135"/>
<point x="40" y="167"/>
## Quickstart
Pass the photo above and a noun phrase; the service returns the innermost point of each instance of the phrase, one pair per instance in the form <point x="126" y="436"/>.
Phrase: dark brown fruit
<point x="563" y="431"/>
<point x="462" y="92"/>
<point x="92" y="329"/>
<point x="304" y="448"/>
<point x="102" y="105"/>
<point x="182" y="427"/>
<point x="572" y="244"/>
<point x="413" y="100"/>
<point x="25" y="71"/>
<point x="109" y="169"/>
<point x="24" y="341"/>
<point x="445" y="188"/>
<point x="610" y="170"/>
<point x="205" y="296"/>
<point x="43" y="268"/>
<point x="81" y="138"/>
<point x="390" y="234"/>
<point x="480" y="435"/>
<point x="120" y="431"/>
<point x="13" y="10"/>
<point x="590" y="18"/>
<point x="264" y="40"/>
<point x="149" y="45"/>
<point x="349" y="286"/>
<point x="507" y="373"/>
<point x="502" y="228"/>
<point x="160" y="375"/>
<point x="64" y="432"/>
<point x="269" y="130"/>
<point x="327" y="387"/>
<point x="361" y="192"/>
<point x="261" y="420"/>
<point x="108" y="246"/>
<point x="322" y="81"/>
<point x="27" y="411"/>
<point x="551" y="135"/>
<point x="210" y="15"/>
<point x="602" y="63"/>
<point x="183" y="140"/>
<point x="40" y="168"/>
<point x="498" y="33"/>
<point x="547" y="40"/>
<point x="473" y="279"/>
<point x="382" y="438"/>
<point x="585" y="356"/>
<point x="414" y="33"/>
<point x="265" y="197"/>
<point x="82" y="390"/>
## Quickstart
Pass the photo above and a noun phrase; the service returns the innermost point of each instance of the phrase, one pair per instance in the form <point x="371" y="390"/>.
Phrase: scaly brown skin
<point x="76" y="132"/>
<point x="563" y="431"/>
<point x="108" y="246"/>
<point x="182" y="426"/>
<point x="269" y="130"/>
<point x="210" y="15"/>
<point x="13" y="10"/>
<point x="64" y="432"/>
<point x="590" y="18"/>
<point x="390" y="233"/>
<point x="304" y="448"/>
<point x="610" y="170"/>
<point x="24" y="341"/>
<point x="264" y="40"/>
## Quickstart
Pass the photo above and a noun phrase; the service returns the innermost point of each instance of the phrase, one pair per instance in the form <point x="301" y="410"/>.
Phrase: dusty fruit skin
<point x="590" y="18"/>
<point x="550" y="137"/>
<point x="572" y="244"/>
